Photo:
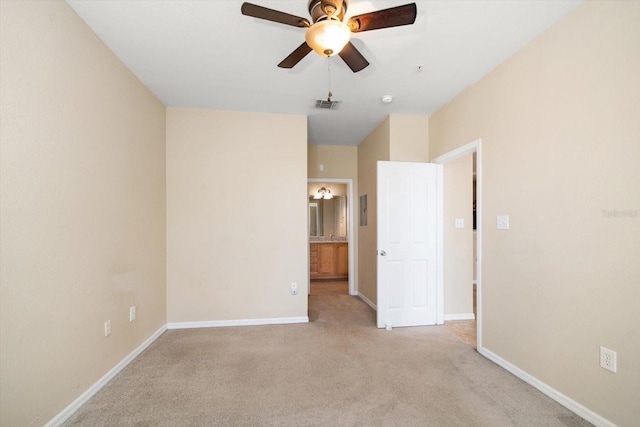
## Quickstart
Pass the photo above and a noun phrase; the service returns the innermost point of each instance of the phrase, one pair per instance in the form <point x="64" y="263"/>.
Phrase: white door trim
<point x="350" y="238"/>
<point x="470" y="148"/>
<point x="440" y="237"/>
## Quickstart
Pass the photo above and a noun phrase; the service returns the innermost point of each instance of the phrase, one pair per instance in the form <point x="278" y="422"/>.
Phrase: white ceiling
<point x="206" y="54"/>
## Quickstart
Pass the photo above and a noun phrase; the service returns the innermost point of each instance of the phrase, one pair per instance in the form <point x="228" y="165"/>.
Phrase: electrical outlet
<point x="294" y="289"/>
<point x="608" y="359"/>
<point x="107" y="328"/>
<point x="132" y="313"/>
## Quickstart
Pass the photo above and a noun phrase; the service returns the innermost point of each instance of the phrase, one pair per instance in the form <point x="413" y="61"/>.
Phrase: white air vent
<point x="327" y="105"/>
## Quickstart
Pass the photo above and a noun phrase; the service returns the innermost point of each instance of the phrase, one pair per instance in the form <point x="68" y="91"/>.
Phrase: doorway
<point x="331" y="229"/>
<point x="473" y="148"/>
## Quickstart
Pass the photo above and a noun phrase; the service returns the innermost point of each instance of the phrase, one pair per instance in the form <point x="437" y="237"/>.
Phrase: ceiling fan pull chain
<point x="329" y="71"/>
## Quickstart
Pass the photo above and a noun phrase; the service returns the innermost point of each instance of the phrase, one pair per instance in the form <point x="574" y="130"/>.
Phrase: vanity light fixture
<point x="323" y="193"/>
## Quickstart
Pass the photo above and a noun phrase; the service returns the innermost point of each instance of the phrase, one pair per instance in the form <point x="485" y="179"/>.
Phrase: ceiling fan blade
<point x="353" y="58"/>
<point x="296" y="56"/>
<point x="392" y="17"/>
<point x="261" y="12"/>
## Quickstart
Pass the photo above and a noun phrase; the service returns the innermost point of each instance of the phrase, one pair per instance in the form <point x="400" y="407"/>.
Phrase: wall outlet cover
<point x="608" y="359"/>
<point x="503" y="222"/>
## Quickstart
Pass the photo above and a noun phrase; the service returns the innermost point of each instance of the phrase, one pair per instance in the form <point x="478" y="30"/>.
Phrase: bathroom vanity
<point x="329" y="260"/>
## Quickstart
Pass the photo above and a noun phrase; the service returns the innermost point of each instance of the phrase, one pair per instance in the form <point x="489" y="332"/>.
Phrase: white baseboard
<point x="238" y="322"/>
<point x="67" y="412"/>
<point x="367" y="301"/>
<point x="459" y="316"/>
<point x="554" y="394"/>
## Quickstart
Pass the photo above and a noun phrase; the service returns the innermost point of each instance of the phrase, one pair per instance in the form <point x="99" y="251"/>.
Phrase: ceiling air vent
<point x="327" y="105"/>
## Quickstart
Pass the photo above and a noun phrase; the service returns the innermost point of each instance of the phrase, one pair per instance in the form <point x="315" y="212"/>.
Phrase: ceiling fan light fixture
<point x="328" y="37"/>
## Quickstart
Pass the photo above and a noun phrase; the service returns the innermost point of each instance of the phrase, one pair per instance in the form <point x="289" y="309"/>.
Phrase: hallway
<point x="464" y="330"/>
<point x="327" y="287"/>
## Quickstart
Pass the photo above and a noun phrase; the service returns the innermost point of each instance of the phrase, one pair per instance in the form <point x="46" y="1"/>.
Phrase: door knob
<point x="383" y="253"/>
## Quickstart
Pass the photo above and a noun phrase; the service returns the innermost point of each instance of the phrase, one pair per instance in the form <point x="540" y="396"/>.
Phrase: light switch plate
<point x="459" y="222"/>
<point x="503" y="222"/>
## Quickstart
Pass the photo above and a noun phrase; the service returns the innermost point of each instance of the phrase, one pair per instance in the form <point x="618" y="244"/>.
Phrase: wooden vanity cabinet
<point x="329" y="260"/>
<point x="342" y="268"/>
<point x="313" y="259"/>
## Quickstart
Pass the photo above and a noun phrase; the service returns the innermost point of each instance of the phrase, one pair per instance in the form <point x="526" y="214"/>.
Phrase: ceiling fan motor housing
<point x="320" y="10"/>
<point x="329" y="34"/>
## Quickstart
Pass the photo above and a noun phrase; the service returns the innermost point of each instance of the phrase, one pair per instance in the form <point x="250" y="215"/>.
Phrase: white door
<point x="409" y="208"/>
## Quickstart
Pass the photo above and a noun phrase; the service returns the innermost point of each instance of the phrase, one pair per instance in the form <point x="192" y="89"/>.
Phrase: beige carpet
<point x="338" y="370"/>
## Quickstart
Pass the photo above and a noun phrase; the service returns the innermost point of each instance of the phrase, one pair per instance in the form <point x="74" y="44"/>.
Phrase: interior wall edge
<point x="549" y="391"/>
<point x="67" y="412"/>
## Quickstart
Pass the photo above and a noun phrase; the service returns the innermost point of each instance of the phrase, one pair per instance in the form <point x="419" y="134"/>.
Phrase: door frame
<point x="350" y="231"/>
<point x="470" y="148"/>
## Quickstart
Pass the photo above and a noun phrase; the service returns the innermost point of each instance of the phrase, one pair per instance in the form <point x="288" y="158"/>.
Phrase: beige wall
<point x="458" y="242"/>
<point x="82" y="232"/>
<point x="338" y="161"/>
<point x="560" y="122"/>
<point x="373" y="148"/>
<point x="399" y="138"/>
<point x="408" y="138"/>
<point x="236" y="215"/>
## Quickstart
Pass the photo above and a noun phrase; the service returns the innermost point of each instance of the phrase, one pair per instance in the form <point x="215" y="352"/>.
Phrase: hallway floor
<point x="464" y="330"/>
<point x="326" y="287"/>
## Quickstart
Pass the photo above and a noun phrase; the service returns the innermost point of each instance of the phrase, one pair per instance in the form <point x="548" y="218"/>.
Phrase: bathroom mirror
<point x="328" y="217"/>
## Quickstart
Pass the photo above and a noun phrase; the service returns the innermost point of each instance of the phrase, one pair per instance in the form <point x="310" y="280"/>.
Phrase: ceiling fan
<point x="329" y="35"/>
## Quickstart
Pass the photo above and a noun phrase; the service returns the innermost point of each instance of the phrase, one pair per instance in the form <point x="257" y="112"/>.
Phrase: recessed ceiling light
<point x="386" y="99"/>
